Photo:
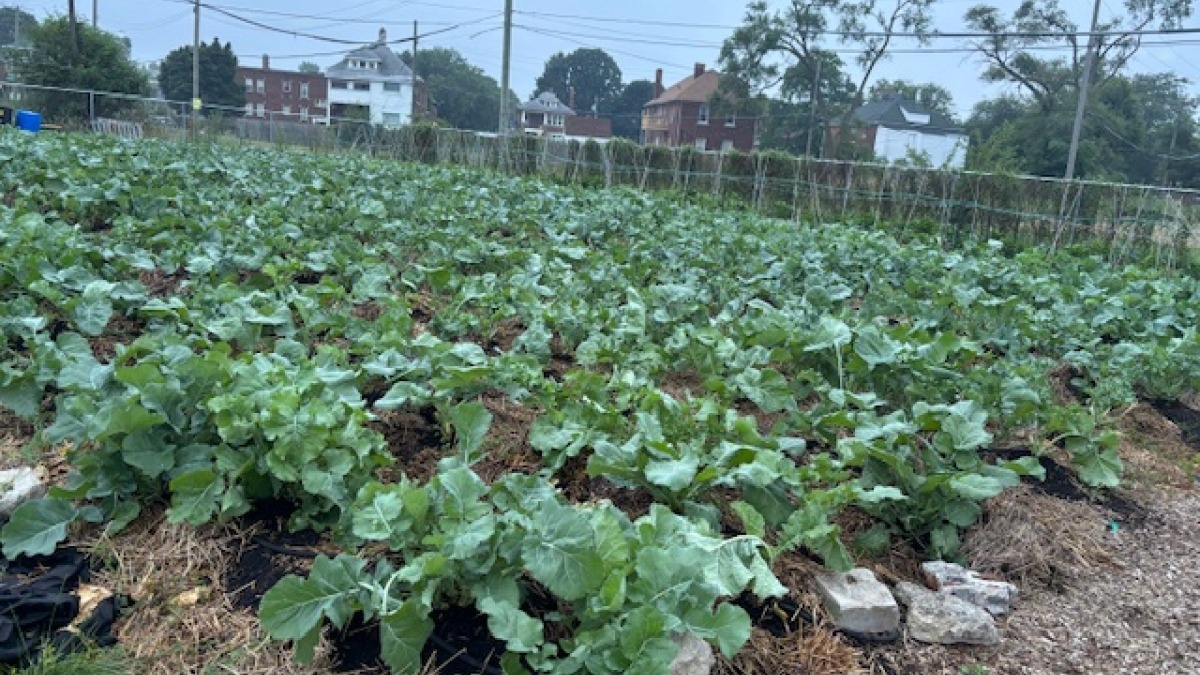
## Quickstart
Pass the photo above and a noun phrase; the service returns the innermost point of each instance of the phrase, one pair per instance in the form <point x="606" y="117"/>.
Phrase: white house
<point x="895" y="128"/>
<point x="372" y="83"/>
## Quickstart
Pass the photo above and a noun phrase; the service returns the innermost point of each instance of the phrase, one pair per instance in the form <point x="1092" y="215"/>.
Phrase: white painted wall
<point x="948" y="150"/>
<point x="378" y="100"/>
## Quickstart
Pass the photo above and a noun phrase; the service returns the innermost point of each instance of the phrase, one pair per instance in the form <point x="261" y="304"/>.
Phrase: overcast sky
<point x="158" y="26"/>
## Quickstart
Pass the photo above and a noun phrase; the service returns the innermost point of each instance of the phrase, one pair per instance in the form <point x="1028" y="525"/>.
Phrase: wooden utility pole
<point x="196" y="71"/>
<point x="95" y="10"/>
<point x="413" y="115"/>
<point x="74" y="25"/>
<point x="502" y="125"/>
<point x="1088" y="63"/>
<point x="812" y="109"/>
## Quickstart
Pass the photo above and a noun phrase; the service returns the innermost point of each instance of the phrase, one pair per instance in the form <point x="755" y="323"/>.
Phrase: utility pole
<point x="74" y="27"/>
<point x="812" y="109"/>
<point x="413" y="115"/>
<point x="196" y="71"/>
<point x="502" y="125"/>
<point x="1069" y="175"/>
<point x="1088" y="64"/>
<point x="95" y="9"/>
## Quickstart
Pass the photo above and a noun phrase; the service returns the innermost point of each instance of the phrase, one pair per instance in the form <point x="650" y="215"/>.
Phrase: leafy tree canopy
<point x="15" y="26"/>
<point x="308" y="67"/>
<point x="626" y="110"/>
<point x="463" y="95"/>
<point x="100" y="62"/>
<point x="594" y="74"/>
<point x="218" y="75"/>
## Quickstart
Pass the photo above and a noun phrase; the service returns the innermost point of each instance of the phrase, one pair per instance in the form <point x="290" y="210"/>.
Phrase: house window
<point x="261" y="110"/>
<point x="249" y="84"/>
<point x="262" y="86"/>
<point x="362" y="86"/>
<point x="703" y="114"/>
<point x="391" y="86"/>
<point x="553" y="120"/>
<point x="391" y="119"/>
<point x="303" y="90"/>
<point x="249" y="110"/>
<point x="303" y="114"/>
<point x="726" y="145"/>
<point x="701" y="144"/>
<point x="287" y="110"/>
<point x="287" y="86"/>
<point x="731" y="120"/>
<point x="339" y="84"/>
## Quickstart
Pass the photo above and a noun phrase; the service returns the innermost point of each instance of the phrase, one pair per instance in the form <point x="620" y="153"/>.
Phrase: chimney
<point x="571" y="98"/>
<point x="699" y="70"/>
<point x="382" y="35"/>
<point x="266" y="62"/>
<point x="658" y="85"/>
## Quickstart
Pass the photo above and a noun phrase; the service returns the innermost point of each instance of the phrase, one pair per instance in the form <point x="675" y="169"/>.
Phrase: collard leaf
<point x="93" y="309"/>
<point x="519" y="631"/>
<point x="195" y="497"/>
<point x="37" y="526"/>
<point x="875" y="347"/>
<point x="471" y="423"/>
<point x="402" y="636"/>
<point x="561" y="553"/>
<point x="676" y="475"/>
<point x="729" y="626"/>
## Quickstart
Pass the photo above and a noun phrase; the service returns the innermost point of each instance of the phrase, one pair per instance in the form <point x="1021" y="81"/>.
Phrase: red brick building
<point x="284" y="94"/>
<point x="681" y="115"/>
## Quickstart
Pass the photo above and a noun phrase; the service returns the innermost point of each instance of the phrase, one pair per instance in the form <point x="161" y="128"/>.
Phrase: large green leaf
<point x="402" y="636"/>
<point x="471" y="423"/>
<point x="37" y="526"/>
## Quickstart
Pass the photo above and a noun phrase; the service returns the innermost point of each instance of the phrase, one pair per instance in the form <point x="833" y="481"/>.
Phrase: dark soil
<point x="1185" y="418"/>
<point x="414" y="438"/>
<point x="1061" y="482"/>
<point x="461" y="645"/>
<point x="269" y="555"/>
<point x="160" y="283"/>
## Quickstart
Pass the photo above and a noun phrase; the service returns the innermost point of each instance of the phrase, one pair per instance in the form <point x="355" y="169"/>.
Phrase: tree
<point x="1014" y="50"/>
<point x="308" y="67"/>
<point x="464" y="96"/>
<point x="218" y="75"/>
<point x="101" y="63"/>
<point x="593" y="74"/>
<point x="933" y="96"/>
<point x="15" y="26"/>
<point x="783" y="47"/>
<point x="626" y="110"/>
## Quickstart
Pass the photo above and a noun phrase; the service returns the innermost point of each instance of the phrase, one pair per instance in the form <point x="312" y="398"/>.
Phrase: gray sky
<point x="158" y="26"/>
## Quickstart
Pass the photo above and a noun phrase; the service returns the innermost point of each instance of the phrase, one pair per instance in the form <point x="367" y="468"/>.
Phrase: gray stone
<point x="859" y="604"/>
<point x="695" y="656"/>
<point x="18" y="486"/>
<point x="997" y="597"/>
<point x="941" y="618"/>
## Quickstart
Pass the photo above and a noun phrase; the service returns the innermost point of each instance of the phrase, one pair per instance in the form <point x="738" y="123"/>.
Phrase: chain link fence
<point x="1152" y="224"/>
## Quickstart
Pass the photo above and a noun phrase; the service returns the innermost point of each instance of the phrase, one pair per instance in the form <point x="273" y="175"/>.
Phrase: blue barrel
<point x="29" y="120"/>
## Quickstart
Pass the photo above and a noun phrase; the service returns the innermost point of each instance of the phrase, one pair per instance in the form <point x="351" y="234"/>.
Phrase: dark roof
<point x="545" y="102"/>
<point x="897" y="112"/>
<point x="390" y="68"/>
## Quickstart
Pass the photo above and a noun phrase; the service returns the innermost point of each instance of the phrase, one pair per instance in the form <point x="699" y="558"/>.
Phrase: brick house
<point x="681" y="115"/>
<point x="284" y="94"/>
<point x="546" y="115"/>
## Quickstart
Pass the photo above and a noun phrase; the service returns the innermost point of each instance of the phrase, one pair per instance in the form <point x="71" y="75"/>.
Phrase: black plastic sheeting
<point x="38" y="602"/>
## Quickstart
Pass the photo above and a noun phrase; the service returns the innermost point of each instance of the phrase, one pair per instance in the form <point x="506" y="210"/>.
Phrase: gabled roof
<point x="897" y="112"/>
<point x="545" y="102"/>
<point x="390" y="67"/>
<point x="693" y="89"/>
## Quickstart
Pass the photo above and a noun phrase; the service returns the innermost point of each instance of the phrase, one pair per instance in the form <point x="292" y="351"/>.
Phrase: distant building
<point x="373" y="84"/>
<point x="681" y="115"/>
<point x="895" y="128"/>
<point x="546" y="115"/>
<point x="284" y="95"/>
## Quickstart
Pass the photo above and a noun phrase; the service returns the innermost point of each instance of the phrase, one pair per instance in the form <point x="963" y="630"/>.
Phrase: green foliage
<point x="233" y="326"/>
<point x="462" y="94"/>
<point x="100" y="61"/>
<point x="626" y="110"/>
<point x="218" y="75"/>
<point x="308" y="67"/>
<point x="15" y="26"/>
<point x="591" y="72"/>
